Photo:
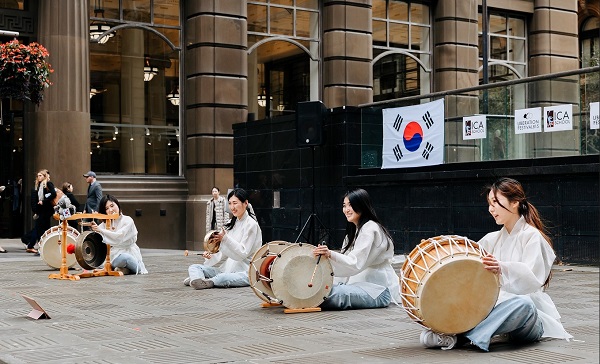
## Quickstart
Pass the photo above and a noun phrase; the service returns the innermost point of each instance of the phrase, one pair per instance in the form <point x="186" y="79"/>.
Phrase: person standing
<point x="363" y="272"/>
<point x="94" y="193"/>
<point x="521" y="254"/>
<point x="216" y="215"/>
<point x="44" y="195"/>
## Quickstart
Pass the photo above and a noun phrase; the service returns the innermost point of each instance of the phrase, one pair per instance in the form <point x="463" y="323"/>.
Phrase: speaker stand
<point x="313" y="218"/>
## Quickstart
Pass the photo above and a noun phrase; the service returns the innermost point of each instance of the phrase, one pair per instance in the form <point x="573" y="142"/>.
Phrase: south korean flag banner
<point x="413" y="136"/>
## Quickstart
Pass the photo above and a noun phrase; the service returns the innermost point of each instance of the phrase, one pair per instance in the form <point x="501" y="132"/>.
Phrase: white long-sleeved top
<point x="525" y="259"/>
<point x="122" y="238"/>
<point x="238" y="246"/>
<point x="368" y="264"/>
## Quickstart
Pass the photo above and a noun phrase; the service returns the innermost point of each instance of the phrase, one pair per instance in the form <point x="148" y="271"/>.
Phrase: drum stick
<point x="310" y="284"/>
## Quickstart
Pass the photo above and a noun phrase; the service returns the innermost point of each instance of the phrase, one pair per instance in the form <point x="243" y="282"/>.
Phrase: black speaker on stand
<point x="309" y="133"/>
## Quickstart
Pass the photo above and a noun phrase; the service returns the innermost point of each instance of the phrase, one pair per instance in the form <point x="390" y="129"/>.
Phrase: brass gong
<point x="90" y="251"/>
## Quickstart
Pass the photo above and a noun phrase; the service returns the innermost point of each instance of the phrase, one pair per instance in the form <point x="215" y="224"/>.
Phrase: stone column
<point x="216" y="97"/>
<point x="456" y="66"/>
<point x="58" y="136"/>
<point x="554" y="47"/>
<point x="133" y="105"/>
<point x="347" y="53"/>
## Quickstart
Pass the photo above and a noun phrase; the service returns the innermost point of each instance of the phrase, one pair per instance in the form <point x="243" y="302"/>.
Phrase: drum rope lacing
<point x="423" y="252"/>
<point x="263" y="278"/>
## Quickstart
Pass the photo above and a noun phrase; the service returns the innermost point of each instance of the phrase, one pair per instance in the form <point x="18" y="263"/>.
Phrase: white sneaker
<point x="202" y="283"/>
<point x="186" y="282"/>
<point x="430" y="339"/>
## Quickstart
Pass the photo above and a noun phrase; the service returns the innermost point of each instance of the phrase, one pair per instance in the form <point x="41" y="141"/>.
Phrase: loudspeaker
<point x="309" y="123"/>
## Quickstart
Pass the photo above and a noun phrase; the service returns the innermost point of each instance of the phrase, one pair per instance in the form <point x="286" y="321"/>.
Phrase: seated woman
<point x="125" y="255"/>
<point x="239" y="240"/>
<point x="364" y="277"/>
<point x="521" y="254"/>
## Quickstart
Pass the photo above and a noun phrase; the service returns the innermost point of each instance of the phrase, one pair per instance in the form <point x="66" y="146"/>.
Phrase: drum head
<point x="259" y="272"/>
<point x="292" y="273"/>
<point x="457" y="296"/>
<point x="50" y="249"/>
<point x="90" y="251"/>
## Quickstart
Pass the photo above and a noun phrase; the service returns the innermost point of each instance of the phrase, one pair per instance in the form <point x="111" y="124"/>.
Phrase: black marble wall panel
<point x="414" y="204"/>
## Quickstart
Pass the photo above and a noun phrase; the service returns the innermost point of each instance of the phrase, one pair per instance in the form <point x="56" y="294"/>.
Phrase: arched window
<point x="589" y="39"/>
<point x="283" y="54"/>
<point x="134" y="81"/>
<point x="401" y="49"/>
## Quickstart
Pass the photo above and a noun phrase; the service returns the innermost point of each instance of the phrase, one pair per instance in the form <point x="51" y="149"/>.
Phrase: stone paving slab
<point x="155" y="319"/>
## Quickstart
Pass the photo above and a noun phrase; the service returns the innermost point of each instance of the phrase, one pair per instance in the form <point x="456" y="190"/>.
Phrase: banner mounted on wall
<point x="528" y="120"/>
<point x="594" y="115"/>
<point x="558" y="118"/>
<point x="474" y="127"/>
<point x="413" y="136"/>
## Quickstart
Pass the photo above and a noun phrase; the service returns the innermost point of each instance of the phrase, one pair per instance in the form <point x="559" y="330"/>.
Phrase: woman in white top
<point x="240" y="239"/>
<point x="125" y="255"/>
<point x="521" y="254"/>
<point x="363" y="273"/>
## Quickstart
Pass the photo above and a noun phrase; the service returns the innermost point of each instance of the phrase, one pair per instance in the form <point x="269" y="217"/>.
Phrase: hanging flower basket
<point x="24" y="71"/>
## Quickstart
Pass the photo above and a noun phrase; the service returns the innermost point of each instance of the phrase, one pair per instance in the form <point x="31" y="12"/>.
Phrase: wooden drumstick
<point x="310" y="284"/>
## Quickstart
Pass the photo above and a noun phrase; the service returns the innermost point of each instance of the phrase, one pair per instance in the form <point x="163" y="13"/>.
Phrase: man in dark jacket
<point x="94" y="193"/>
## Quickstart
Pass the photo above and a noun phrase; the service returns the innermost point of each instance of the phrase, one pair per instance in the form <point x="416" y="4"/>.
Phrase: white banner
<point x="413" y="136"/>
<point x="528" y="120"/>
<point x="594" y="115"/>
<point x="474" y="127"/>
<point x="558" y="118"/>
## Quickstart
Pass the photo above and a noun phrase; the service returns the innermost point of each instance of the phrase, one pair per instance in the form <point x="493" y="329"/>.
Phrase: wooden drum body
<point x="50" y="250"/>
<point x="288" y="274"/>
<point x="444" y="286"/>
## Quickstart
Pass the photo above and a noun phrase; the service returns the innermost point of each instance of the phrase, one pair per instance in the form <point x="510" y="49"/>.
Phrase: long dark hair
<point x="242" y="195"/>
<point x="513" y="191"/>
<point x="104" y="200"/>
<point x="361" y="204"/>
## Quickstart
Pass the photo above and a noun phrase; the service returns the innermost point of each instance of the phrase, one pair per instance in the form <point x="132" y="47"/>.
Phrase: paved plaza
<point x="155" y="319"/>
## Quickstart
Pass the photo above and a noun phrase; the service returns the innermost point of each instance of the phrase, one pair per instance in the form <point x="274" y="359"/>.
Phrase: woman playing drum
<point x="364" y="277"/>
<point x="239" y="240"/>
<point x="122" y="237"/>
<point x="522" y="255"/>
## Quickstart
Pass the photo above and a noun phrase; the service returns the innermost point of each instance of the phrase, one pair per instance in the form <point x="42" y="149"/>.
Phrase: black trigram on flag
<point x="398" y="122"/>
<point x="427" y="120"/>
<point x="427" y="151"/>
<point x="397" y="152"/>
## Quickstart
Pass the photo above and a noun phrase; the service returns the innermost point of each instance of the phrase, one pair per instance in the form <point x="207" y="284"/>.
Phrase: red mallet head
<point x="71" y="248"/>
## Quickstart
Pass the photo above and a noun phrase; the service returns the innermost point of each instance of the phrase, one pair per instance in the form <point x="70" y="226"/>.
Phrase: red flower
<point x="24" y="71"/>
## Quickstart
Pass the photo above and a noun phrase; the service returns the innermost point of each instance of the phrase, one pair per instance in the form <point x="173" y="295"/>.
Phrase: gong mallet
<point x="310" y="284"/>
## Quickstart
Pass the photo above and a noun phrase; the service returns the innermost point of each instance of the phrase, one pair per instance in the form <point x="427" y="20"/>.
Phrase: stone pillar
<point x="216" y="70"/>
<point x="133" y="105"/>
<point x="58" y="137"/>
<point x="456" y="66"/>
<point x="347" y="53"/>
<point x="554" y="47"/>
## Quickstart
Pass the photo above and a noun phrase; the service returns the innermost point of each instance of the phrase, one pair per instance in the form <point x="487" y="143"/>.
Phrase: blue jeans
<point x="125" y="260"/>
<point x="516" y="317"/>
<point x="349" y="297"/>
<point x="220" y="279"/>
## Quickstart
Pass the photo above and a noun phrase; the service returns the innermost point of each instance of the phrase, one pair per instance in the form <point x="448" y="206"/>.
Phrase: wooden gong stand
<point x="64" y="269"/>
